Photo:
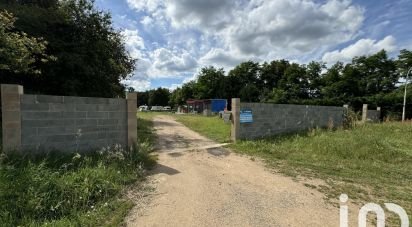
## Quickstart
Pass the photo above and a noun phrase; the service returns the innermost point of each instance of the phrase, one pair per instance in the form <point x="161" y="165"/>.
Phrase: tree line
<point x="375" y="79"/>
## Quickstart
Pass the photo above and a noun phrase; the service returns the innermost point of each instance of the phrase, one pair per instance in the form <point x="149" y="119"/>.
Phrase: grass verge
<point x="64" y="189"/>
<point x="370" y="163"/>
<point x="211" y="127"/>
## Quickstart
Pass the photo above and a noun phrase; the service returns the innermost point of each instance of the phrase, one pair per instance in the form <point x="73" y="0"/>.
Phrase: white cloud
<point x="138" y="85"/>
<point x="291" y="26"/>
<point x="220" y="58"/>
<point x="195" y="33"/>
<point x="145" y="5"/>
<point x="140" y="79"/>
<point x="132" y="38"/>
<point x="261" y="28"/>
<point x="134" y="43"/>
<point x="146" y="21"/>
<point x="167" y="63"/>
<point x="205" y="14"/>
<point x="174" y="86"/>
<point x="361" y="47"/>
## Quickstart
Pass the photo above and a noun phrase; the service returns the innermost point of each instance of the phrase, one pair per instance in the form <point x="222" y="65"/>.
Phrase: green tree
<point x="404" y="62"/>
<point x="249" y="93"/>
<point x="377" y="73"/>
<point x="313" y="76"/>
<point x="159" y="97"/>
<point x="329" y="81"/>
<point x="210" y="83"/>
<point x="142" y="98"/>
<point x="294" y="83"/>
<point x="19" y="53"/>
<point x="246" y="73"/>
<point x="176" y="97"/>
<point x="189" y="90"/>
<point x="271" y="73"/>
<point x="91" y="56"/>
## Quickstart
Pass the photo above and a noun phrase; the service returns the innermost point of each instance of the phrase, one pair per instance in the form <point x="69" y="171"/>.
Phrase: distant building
<point x="206" y="106"/>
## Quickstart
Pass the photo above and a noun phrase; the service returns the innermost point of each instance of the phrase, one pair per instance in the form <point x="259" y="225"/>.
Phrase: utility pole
<point x="404" y="96"/>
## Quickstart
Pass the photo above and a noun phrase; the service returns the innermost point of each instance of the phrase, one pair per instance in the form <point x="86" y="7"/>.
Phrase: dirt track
<point x="213" y="187"/>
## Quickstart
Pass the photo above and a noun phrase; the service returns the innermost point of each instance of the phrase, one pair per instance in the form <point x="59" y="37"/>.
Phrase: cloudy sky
<point x="173" y="39"/>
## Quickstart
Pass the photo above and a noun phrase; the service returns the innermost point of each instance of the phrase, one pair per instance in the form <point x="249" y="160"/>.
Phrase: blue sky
<point x="173" y="39"/>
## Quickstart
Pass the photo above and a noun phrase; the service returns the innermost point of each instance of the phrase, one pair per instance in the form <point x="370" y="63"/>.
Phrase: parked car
<point x="156" y="108"/>
<point x="167" y="108"/>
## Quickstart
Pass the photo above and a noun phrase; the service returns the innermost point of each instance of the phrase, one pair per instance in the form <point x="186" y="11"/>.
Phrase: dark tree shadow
<point x="159" y="168"/>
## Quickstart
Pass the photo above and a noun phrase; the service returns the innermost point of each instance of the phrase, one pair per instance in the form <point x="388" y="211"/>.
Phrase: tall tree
<point x="19" y="53"/>
<point x="330" y="79"/>
<point x="313" y="77"/>
<point x="91" y="56"/>
<point x="210" y="83"/>
<point x="404" y="62"/>
<point x="377" y="72"/>
<point x="242" y="74"/>
<point x="294" y="82"/>
<point x="142" y="98"/>
<point x="271" y="73"/>
<point x="159" y="97"/>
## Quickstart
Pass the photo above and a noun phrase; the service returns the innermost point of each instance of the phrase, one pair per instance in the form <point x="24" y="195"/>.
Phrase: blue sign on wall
<point x="246" y="116"/>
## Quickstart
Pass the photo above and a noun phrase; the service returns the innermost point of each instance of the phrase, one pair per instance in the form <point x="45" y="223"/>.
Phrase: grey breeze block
<point x="67" y="123"/>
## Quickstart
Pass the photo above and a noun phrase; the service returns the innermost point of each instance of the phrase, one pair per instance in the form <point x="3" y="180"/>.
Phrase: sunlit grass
<point x="370" y="163"/>
<point x="212" y="127"/>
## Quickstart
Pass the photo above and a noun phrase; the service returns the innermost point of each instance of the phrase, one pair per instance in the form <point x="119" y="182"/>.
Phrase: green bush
<point x="41" y="188"/>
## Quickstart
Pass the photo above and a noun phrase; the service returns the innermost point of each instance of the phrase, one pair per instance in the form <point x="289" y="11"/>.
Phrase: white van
<point x="156" y="108"/>
<point x="167" y="108"/>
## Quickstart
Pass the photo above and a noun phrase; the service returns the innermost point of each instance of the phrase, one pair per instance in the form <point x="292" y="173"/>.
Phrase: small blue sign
<point x="246" y="116"/>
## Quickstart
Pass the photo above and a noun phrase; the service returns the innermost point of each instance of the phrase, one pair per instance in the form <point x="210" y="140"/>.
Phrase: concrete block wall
<point x="370" y="115"/>
<point x="71" y="123"/>
<point x="275" y="119"/>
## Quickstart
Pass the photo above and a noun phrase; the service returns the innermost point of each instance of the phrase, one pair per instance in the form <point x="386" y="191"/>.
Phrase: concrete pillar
<point x="11" y="116"/>
<point x="379" y="113"/>
<point x="365" y="112"/>
<point x="234" y="133"/>
<point x="131" y="99"/>
<point x="345" y="111"/>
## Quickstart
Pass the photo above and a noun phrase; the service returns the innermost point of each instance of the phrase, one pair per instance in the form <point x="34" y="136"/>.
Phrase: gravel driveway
<point x="198" y="183"/>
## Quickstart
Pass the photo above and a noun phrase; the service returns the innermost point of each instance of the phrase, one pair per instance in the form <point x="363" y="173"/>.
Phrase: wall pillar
<point x="131" y="99"/>
<point x="235" y="129"/>
<point x="11" y="116"/>
<point x="365" y="113"/>
<point x="379" y="113"/>
<point x="346" y="111"/>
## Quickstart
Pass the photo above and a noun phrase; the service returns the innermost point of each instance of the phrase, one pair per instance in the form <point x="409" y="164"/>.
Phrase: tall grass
<point x="65" y="189"/>
<point x="370" y="162"/>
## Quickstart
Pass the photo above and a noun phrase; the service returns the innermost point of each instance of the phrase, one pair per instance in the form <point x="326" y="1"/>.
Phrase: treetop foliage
<point x="18" y="51"/>
<point x="91" y="58"/>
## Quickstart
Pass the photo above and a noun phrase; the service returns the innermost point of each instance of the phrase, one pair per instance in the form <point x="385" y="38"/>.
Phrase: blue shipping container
<point x="218" y="105"/>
